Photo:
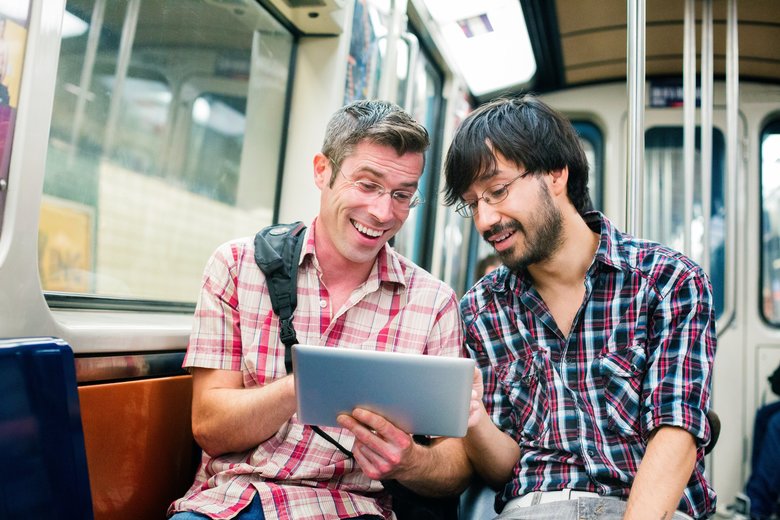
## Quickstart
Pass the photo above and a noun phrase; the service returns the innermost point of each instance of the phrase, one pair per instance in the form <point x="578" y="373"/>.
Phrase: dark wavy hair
<point x="526" y="132"/>
<point x="373" y="121"/>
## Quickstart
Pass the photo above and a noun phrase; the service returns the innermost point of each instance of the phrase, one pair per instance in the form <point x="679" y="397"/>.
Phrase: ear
<point x="559" y="180"/>
<point x="322" y="171"/>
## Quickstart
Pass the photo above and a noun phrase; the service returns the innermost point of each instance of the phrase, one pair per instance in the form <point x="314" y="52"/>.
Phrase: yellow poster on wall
<point x="65" y="246"/>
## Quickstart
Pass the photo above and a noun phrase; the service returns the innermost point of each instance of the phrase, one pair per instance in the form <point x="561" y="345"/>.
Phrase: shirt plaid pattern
<point x="639" y="356"/>
<point x="298" y="474"/>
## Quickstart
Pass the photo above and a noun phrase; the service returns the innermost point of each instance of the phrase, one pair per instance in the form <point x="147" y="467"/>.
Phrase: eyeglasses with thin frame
<point x="401" y="198"/>
<point x="492" y="195"/>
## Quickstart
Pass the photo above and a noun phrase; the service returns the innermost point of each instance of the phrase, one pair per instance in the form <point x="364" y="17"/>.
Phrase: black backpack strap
<point x="277" y="252"/>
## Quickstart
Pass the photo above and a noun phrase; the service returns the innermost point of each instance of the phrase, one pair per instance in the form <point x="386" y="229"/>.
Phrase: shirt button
<point x="591" y="453"/>
<point x="323" y="303"/>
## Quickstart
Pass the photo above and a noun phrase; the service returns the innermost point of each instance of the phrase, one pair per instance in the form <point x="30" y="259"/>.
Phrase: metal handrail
<point x="733" y="154"/>
<point x="689" y="119"/>
<point x="636" y="104"/>
<point x="706" y="131"/>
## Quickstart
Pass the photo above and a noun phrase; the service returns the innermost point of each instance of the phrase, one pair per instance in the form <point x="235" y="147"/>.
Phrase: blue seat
<point x="41" y="439"/>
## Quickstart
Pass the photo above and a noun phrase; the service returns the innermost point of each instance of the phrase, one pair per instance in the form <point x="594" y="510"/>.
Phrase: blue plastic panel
<point x="41" y="439"/>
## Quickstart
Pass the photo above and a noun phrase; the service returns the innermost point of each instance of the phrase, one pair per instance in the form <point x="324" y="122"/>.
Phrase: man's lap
<point x="253" y="511"/>
<point x="602" y="508"/>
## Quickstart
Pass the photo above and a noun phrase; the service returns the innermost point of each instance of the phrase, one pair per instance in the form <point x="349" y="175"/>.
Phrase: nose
<point x="486" y="216"/>
<point x="382" y="207"/>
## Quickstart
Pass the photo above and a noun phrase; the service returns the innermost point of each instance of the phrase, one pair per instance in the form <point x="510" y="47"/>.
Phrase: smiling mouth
<point x="373" y="233"/>
<point x="500" y="238"/>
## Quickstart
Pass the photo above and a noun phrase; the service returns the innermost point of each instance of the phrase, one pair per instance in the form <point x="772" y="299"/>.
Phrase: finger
<point x="361" y="431"/>
<point x="477" y="383"/>
<point x="376" y="449"/>
<point x="372" y="465"/>
<point x="382" y="427"/>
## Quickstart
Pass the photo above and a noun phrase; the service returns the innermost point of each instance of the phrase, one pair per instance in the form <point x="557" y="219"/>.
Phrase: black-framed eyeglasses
<point x="492" y="195"/>
<point x="401" y="198"/>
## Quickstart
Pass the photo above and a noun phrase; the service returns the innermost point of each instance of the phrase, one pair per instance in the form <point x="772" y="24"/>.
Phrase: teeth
<point x="502" y="237"/>
<point x="366" y="231"/>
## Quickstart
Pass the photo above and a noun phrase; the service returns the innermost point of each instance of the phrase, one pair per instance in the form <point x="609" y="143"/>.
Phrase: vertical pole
<point x="636" y="104"/>
<point x="689" y="118"/>
<point x="83" y="93"/>
<point x="733" y="148"/>
<point x="706" y="130"/>
<point x="123" y="64"/>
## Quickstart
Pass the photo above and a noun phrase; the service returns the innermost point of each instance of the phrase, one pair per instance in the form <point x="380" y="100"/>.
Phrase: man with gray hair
<point x="353" y="291"/>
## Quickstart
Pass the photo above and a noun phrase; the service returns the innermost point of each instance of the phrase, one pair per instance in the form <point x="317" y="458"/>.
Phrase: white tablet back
<point x="423" y="395"/>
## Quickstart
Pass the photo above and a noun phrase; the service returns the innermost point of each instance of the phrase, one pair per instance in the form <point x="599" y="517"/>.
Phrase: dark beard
<point x="545" y="238"/>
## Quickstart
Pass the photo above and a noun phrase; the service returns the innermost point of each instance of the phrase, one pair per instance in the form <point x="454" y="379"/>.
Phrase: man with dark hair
<point x="353" y="290"/>
<point x="595" y="347"/>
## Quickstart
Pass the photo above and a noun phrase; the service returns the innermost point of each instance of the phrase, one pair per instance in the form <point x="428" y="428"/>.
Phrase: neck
<point x="337" y="271"/>
<point x="567" y="267"/>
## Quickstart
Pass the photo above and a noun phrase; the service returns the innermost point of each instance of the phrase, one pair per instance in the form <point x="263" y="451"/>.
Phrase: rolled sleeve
<point x="678" y="382"/>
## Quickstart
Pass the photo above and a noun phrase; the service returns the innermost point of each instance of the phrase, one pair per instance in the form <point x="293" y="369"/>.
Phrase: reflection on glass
<point x="770" y="223"/>
<point x="370" y="20"/>
<point x="13" y="39"/>
<point x="664" y="199"/>
<point x="415" y="238"/>
<point x="146" y="169"/>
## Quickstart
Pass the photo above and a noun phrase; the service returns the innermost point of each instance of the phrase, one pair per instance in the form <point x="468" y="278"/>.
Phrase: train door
<point x="757" y="271"/>
<point x="664" y="220"/>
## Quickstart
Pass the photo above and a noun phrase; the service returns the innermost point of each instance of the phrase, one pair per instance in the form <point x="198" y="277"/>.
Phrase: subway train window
<point x="147" y="169"/>
<point x="664" y="199"/>
<point x="770" y="223"/>
<point x="593" y="142"/>
<point x="367" y="49"/>
<point x="421" y="94"/>
<point x="13" y="38"/>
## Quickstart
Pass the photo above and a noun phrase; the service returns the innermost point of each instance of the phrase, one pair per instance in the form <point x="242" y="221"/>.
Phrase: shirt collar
<point x="610" y="241"/>
<point x="608" y="254"/>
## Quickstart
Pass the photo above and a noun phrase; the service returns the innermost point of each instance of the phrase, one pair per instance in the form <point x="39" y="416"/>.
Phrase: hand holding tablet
<point x="422" y="395"/>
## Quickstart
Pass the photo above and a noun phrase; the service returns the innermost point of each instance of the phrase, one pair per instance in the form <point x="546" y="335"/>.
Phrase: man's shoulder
<point x="647" y="255"/>
<point x="232" y="255"/>
<point x="640" y="254"/>
<point x="662" y="265"/>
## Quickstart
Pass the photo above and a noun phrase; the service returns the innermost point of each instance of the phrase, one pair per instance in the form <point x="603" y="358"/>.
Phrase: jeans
<point x="602" y="508"/>
<point x="253" y="511"/>
<point x="763" y="486"/>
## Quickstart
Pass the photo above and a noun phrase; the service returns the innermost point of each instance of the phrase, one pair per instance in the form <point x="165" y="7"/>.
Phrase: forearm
<point x="229" y="420"/>
<point x="493" y="453"/>
<point x="663" y="473"/>
<point x="441" y="469"/>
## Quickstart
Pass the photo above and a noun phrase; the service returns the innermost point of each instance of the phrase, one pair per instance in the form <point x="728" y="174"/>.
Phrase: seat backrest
<point x="41" y="439"/>
<point x="143" y="427"/>
<point x="714" y="421"/>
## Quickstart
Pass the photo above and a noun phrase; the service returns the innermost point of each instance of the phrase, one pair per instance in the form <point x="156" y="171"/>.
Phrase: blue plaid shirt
<point x="639" y="356"/>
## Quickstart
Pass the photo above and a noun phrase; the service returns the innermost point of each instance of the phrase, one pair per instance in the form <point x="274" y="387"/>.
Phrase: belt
<point x="544" y="497"/>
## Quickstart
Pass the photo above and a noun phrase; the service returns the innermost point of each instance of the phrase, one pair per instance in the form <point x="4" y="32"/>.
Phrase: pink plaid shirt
<point x="297" y="473"/>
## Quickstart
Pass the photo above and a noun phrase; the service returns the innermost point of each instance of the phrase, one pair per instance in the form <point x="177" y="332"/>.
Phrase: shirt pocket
<point x="622" y="374"/>
<point x="523" y="382"/>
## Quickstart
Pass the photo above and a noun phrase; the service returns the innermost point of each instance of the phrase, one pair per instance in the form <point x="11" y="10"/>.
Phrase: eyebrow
<point x="381" y="176"/>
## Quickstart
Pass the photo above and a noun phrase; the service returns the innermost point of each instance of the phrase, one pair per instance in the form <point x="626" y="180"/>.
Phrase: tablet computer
<point x="422" y="395"/>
